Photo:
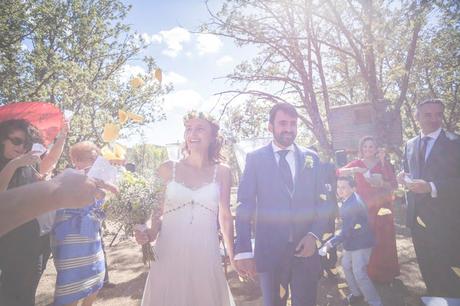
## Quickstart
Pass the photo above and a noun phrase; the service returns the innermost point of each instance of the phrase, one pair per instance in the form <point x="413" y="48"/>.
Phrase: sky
<point x="191" y="62"/>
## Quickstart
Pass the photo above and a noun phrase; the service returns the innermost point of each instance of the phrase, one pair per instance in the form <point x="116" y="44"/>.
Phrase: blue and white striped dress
<point x="77" y="253"/>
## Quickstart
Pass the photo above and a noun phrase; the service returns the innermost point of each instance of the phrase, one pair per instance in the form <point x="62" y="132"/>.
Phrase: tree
<point x="320" y="54"/>
<point x="72" y="53"/>
<point x="147" y="158"/>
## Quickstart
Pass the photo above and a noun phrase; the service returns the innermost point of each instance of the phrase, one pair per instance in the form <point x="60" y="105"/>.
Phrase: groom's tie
<point x="285" y="170"/>
<point x="422" y="153"/>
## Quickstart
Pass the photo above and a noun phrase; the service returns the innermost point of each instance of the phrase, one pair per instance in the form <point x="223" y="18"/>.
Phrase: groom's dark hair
<point x="285" y="107"/>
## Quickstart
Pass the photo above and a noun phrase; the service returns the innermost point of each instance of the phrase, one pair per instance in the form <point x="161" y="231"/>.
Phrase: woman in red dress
<point x="375" y="182"/>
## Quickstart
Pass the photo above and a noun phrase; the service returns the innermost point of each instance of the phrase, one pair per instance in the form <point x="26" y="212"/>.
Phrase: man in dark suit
<point x="280" y="193"/>
<point x="432" y="175"/>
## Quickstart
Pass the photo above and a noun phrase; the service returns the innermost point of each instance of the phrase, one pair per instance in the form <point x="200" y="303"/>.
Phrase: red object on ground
<point x="46" y="117"/>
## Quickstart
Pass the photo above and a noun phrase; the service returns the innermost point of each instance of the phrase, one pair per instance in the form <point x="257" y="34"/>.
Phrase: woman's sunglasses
<point x="17" y="141"/>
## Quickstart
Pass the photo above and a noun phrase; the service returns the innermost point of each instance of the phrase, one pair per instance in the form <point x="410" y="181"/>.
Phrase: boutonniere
<point x="323" y="197"/>
<point x="309" y="162"/>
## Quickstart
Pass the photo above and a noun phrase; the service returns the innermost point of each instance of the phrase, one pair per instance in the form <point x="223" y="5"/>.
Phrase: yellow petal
<point x="323" y="197"/>
<point x="110" y="132"/>
<point x="420" y="221"/>
<point x="384" y="212"/>
<point x="342" y="286"/>
<point x="399" y="193"/>
<point x="120" y="151"/>
<point x="136" y="82"/>
<point x="158" y="75"/>
<point x="357" y="226"/>
<point x="135" y="117"/>
<point x="326" y="236"/>
<point x="318" y="243"/>
<point x="282" y="291"/>
<point x="456" y="270"/>
<point x="122" y="116"/>
<point x="107" y="153"/>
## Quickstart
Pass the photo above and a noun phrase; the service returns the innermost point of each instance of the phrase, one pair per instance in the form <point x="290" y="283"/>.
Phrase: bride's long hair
<point x="215" y="147"/>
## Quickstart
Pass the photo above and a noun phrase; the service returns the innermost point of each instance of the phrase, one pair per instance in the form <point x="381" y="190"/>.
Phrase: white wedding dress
<point x="188" y="269"/>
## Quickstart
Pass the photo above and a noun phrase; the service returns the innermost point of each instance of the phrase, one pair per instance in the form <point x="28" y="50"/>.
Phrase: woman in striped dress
<point x="76" y="242"/>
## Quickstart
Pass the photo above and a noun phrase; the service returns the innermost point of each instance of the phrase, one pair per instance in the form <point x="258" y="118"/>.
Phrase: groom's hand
<point x="306" y="246"/>
<point x="246" y="268"/>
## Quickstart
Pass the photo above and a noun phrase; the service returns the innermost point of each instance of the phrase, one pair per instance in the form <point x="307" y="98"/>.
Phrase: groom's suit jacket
<point x="277" y="215"/>
<point x="440" y="215"/>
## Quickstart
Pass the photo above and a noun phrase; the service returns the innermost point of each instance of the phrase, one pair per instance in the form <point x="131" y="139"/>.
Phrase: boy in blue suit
<point x="357" y="240"/>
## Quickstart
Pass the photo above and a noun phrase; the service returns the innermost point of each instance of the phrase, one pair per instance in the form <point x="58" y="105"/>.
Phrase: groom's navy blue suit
<point x="281" y="218"/>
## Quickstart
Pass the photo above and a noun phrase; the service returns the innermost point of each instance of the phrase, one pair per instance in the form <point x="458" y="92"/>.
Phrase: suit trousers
<point x="298" y="275"/>
<point x="354" y="265"/>
<point x="21" y="264"/>
<point x="436" y="257"/>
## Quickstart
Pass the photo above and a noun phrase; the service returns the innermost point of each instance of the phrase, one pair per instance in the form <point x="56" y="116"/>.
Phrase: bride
<point x="188" y="269"/>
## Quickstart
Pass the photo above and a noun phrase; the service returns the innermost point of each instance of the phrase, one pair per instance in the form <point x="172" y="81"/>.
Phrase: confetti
<point x="135" y="117"/>
<point x="456" y="270"/>
<point x="110" y="132"/>
<point x="384" y="212"/>
<point x="357" y="226"/>
<point x="326" y="236"/>
<point x="122" y="116"/>
<point x="342" y="286"/>
<point x="107" y="153"/>
<point x="420" y="221"/>
<point x="158" y="75"/>
<point x="120" y="151"/>
<point x="282" y="291"/>
<point x="136" y="82"/>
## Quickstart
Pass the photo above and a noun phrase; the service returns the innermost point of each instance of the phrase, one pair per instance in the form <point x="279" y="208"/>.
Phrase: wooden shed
<point x="349" y="123"/>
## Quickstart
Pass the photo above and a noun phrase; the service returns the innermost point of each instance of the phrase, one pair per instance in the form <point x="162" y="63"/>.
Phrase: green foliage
<point x="73" y="54"/>
<point x="147" y="158"/>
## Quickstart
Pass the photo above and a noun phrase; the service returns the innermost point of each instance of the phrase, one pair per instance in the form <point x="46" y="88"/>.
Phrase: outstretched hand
<point x="74" y="189"/>
<point x="306" y="246"/>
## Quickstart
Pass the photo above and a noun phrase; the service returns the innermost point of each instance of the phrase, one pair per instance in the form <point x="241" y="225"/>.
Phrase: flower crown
<point x="200" y="115"/>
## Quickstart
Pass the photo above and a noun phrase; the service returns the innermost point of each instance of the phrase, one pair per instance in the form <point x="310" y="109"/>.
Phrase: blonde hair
<point x="84" y="150"/>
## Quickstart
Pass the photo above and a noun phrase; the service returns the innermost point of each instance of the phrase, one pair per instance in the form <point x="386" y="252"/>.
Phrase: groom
<point x="279" y="194"/>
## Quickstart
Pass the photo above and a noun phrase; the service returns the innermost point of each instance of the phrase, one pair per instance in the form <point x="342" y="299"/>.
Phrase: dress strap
<point x="215" y="174"/>
<point x="174" y="171"/>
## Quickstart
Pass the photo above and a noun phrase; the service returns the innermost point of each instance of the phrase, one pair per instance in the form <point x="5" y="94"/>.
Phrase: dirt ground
<point x="128" y="273"/>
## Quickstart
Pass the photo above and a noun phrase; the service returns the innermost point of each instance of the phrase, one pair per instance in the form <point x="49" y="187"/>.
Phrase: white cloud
<point x="182" y="100"/>
<point x="208" y="43"/>
<point x="174" y="40"/>
<point x="175" y="78"/>
<point x="128" y="71"/>
<point x="224" y="60"/>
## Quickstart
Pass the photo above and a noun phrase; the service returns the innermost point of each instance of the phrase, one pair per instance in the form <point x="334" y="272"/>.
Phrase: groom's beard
<point x="285" y="138"/>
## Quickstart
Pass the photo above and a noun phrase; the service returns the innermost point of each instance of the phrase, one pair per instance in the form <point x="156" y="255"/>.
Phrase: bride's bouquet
<point x="134" y="204"/>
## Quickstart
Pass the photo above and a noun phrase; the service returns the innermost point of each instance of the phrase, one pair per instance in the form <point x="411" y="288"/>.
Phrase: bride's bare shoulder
<point x="165" y="170"/>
